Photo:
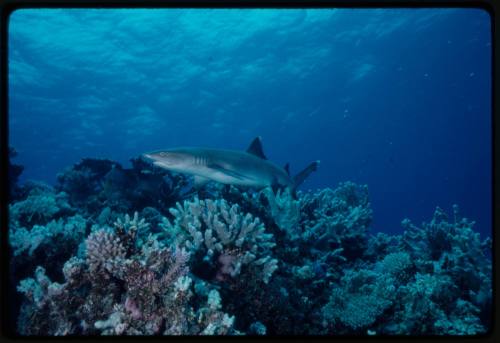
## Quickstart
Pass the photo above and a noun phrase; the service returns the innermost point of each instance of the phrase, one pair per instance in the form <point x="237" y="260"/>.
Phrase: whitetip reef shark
<point x="233" y="167"/>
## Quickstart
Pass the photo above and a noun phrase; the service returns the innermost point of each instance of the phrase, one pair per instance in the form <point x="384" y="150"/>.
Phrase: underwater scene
<point x="249" y="172"/>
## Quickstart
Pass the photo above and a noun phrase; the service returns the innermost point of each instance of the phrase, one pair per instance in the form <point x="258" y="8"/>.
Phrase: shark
<point x="249" y="168"/>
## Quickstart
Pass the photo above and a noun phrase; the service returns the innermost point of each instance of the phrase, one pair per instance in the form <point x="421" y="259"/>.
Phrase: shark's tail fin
<point x="300" y="177"/>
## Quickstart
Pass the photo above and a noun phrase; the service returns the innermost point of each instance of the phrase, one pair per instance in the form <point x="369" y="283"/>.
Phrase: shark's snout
<point x="148" y="156"/>
<point x="155" y="159"/>
<point x="167" y="159"/>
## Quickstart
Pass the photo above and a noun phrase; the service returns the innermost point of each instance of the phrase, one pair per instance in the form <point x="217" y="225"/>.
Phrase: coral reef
<point x="120" y="288"/>
<point x="283" y="209"/>
<point x="94" y="184"/>
<point x="359" y="300"/>
<point x="438" y="281"/>
<point x="337" y="219"/>
<point x="67" y="231"/>
<point x="227" y="261"/>
<point x="38" y="208"/>
<point x="222" y="237"/>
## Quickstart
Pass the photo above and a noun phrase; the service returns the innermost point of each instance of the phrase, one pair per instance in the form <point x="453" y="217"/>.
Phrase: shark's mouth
<point x="159" y="164"/>
<point x="147" y="157"/>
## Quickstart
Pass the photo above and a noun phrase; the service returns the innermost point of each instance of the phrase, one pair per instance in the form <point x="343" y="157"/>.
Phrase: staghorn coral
<point x="381" y="244"/>
<point x="431" y="305"/>
<point x="337" y="218"/>
<point x="455" y="250"/>
<point x="439" y="291"/>
<point x="221" y="235"/>
<point x="440" y="237"/>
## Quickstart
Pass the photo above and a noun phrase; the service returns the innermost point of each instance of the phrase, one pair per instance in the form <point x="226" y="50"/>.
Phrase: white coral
<point x="221" y="229"/>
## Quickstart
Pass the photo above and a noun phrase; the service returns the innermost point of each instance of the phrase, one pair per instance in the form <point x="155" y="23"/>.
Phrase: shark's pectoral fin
<point x="200" y="181"/>
<point x="255" y="148"/>
<point x="226" y="171"/>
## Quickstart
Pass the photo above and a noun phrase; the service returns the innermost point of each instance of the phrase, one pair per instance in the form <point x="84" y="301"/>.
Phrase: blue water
<point x="399" y="100"/>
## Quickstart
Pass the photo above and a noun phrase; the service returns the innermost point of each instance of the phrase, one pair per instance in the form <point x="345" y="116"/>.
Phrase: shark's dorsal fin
<point x="255" y="148"/>
<point x="287" y="168"/>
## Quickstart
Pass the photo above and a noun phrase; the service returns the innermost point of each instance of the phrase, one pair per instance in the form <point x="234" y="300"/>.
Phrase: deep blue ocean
<point x="398" y="99"/>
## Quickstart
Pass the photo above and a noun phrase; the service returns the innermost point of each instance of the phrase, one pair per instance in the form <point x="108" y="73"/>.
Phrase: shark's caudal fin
<point x="300" y="177"/>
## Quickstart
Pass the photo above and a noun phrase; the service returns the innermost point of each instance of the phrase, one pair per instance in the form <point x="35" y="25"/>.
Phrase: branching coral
<point x="453" y="249"/>
<point x="69" y="232"/>
<point x="39" y="207"/>
<point x="121" y="289"/>
<point x="381" y="244"/>
<point x="337" y="218"/>
<point x="439" y="276"/>
<point x="284" y="209"/>
<point x="440" y="236"/>
<point x="49" y="245"/>
<point x="430" y="305"/>
<point x="221" y="234"/>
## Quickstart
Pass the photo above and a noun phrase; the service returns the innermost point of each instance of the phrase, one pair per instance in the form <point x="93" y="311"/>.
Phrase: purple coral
<point x="104" y="251"/>
<point x="115" y="290"/>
